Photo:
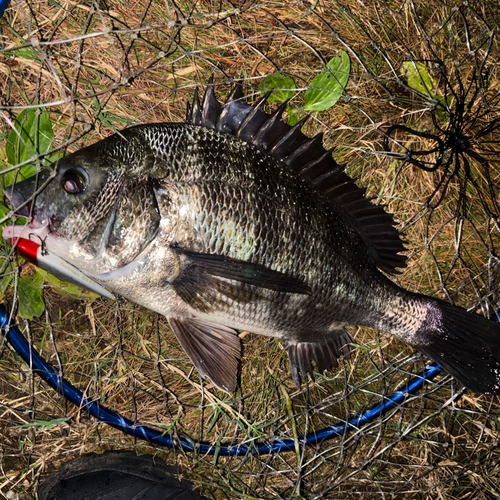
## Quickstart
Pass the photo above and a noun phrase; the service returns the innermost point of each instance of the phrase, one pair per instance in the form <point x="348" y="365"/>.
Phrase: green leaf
<point x="13" y="147"/>
<point x="4" y="283"/>
<point x="327" y="88"/>
<point x="6" y="278"/>
<point x="31" y="302"/>
<point x="43" y="424"/>
<point x="418" y="78"/>
<point x="67" y="289"/>
<point x="32" y="135"/>
<point x="283" y="87"/>
<point x="25" y="53"/>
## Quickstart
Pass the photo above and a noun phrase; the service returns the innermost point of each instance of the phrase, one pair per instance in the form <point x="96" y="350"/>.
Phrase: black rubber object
<point x="116" y="475"/>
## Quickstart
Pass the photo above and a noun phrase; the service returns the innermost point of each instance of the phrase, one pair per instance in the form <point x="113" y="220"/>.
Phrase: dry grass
<point x="101" y="66"/>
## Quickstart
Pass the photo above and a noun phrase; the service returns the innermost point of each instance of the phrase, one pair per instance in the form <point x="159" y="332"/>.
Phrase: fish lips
<point x="18" y="201"/>
<point x="39" y="226"/>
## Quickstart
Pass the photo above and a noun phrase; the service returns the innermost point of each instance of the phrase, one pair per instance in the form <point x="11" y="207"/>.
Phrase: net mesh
<point x="417" y="125"/>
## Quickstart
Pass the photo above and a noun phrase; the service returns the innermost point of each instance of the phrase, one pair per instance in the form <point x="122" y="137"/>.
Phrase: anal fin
<point x="324" y="354"/>
<point x="215" y="350"/>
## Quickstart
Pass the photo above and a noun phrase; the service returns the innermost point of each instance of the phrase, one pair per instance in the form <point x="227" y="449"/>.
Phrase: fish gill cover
<point x="416" y="123"/>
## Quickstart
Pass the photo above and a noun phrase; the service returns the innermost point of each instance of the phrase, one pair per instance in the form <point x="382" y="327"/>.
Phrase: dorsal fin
<point x="308" y="158"/>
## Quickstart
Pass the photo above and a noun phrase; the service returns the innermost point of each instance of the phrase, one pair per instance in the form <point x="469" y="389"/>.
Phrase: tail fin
<point x="466" y="345"/>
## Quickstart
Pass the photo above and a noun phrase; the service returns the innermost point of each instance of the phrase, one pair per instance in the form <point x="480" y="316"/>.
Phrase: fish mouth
<point x="40" y="225"/>
<point x="16" y="200"/>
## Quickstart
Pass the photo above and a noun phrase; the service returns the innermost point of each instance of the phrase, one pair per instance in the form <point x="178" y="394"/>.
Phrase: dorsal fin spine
<point x="292" y="139"/>
<point x="195" y="110"/>
<point x="211" y="108"/>
<point x="236" y="94"/>
<point x="265" y="132"/>
<point x="308" y="150"/>
<point x="250" y="124"/>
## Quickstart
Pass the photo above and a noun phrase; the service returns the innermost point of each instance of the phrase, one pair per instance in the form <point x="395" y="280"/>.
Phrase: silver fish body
<point x="223" y="227"/>
<point x="238" y="202"/>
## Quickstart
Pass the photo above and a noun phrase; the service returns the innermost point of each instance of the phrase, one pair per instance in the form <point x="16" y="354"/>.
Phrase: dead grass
<point x="103" y="66"/>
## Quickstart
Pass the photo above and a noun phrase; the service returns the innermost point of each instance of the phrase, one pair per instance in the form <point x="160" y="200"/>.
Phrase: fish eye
<point x="74" y="181"/>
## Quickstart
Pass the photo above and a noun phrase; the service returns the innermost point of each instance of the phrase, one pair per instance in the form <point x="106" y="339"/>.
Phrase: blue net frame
<point x="106" y="416"/>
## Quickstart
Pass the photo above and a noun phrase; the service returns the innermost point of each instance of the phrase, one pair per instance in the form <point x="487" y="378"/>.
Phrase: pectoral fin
<point x="244" y="272"/>
<point x="215" y="350"/>
<point x="209" y="294"/>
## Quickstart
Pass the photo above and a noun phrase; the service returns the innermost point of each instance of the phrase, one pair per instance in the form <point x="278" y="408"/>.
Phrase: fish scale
<point x="236" y="221"/>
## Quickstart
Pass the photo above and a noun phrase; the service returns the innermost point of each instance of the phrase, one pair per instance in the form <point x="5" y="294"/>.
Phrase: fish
<point x="233" y="221"/>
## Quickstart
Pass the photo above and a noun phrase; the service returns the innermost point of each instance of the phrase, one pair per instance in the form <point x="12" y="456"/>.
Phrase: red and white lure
<point x="50" y="262"/>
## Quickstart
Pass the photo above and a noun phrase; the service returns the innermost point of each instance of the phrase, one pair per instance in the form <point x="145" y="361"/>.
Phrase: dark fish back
<point x="309" y="159"/>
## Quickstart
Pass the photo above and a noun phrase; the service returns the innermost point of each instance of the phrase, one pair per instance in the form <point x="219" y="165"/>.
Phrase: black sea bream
<point x="234" y="221"/>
